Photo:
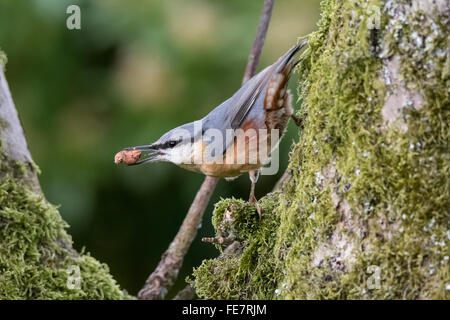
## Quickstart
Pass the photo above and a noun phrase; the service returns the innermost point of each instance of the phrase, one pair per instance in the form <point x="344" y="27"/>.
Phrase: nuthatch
<point x="258" y="113"/>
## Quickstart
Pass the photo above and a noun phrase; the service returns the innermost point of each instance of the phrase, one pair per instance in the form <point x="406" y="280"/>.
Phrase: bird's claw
<point x="256" y="204"/>
<point x="298" y="121"/>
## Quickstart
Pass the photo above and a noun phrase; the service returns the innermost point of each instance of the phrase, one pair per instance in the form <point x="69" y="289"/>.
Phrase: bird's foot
<point x="298" y="121"/>
<point x="256" y="204"/>
<point x="254" y="174"/>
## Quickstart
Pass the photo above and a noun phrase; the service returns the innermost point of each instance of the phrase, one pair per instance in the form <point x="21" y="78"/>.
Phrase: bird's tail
<point x="277" y="92"/>
<point x="287" y="60"/>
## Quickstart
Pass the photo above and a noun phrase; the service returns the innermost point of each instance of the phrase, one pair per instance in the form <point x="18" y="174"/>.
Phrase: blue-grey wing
<point x="232" y="113"/>
<point x="229" y="116"/>
<point x="257" y="85"/>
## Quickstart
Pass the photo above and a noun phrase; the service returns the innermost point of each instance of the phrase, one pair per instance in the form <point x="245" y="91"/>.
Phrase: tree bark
<point x="364" y="213"/>
<point x="13" y="140"/>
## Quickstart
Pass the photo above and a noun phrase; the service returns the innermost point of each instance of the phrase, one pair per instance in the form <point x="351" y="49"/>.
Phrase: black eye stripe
<point x="171" y="143"/>
<point x="167" y="144"/>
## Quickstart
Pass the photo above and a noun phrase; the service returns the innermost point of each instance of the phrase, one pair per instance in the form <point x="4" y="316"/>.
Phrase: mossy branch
<point x="37" y="260"/>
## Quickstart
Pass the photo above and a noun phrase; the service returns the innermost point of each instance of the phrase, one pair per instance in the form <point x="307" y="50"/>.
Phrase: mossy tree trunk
<point x="37" y="260"/>
<point x="365" y="214"/>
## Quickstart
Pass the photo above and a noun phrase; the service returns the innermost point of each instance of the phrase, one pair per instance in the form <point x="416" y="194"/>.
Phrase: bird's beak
<point x="150" y="154"/>
<point x="149" y="147"/>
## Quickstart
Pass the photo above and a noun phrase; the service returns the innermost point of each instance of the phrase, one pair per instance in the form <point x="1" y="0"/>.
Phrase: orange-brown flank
<point x="230" y="166"/>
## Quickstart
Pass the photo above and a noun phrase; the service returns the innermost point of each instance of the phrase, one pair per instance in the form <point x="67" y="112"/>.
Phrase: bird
<point x="237" y="136"/>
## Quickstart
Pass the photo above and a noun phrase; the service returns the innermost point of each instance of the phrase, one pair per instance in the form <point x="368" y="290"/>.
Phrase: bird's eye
<point x="172" y="143"/>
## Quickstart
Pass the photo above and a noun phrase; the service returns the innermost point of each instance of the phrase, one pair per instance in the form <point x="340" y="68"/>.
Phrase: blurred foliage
<point x="135" y="70"/>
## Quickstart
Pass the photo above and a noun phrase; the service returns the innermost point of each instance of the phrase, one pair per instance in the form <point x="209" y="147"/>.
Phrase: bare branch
<point x="253" y="58"/>
<point x="166" y="273"/>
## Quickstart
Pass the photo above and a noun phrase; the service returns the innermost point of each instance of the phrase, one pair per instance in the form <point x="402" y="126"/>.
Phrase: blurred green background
<point x="135" y="70"/>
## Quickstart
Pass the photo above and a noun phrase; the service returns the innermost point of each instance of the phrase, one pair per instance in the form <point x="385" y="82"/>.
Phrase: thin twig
<point x="166" y="273"/>
<point x="223" y="241"/>
<point x="258" y="44"/>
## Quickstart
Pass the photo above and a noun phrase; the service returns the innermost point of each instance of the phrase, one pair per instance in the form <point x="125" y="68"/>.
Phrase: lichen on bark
<point x="365" y="214"/>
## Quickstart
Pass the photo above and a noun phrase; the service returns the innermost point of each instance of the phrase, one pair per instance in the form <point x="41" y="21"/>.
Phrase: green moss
<point x="364" y="195"/>
<point x="249" y="265"/>
<point x="36" y="259"/>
